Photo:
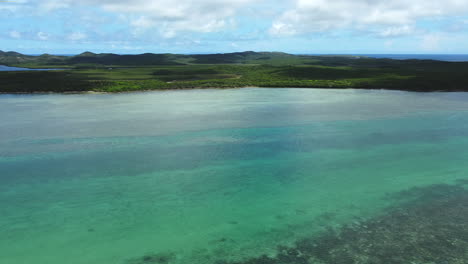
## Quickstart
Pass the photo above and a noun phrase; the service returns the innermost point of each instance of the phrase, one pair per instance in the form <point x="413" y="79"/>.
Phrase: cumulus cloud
<point x="385" y="18"/>
<point x="170" y="23"/>
<point x="167" y="16"/>
<point x="51" y="5"/>
<point x="42" y="35"/>
<point x="397" y="31"/>
<point x="76" y="36"/>
<point x="11" y="6"/>
<point x="15" y="34"/>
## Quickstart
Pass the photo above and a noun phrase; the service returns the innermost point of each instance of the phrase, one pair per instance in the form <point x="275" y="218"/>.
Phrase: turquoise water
<point x="204" y="175"/>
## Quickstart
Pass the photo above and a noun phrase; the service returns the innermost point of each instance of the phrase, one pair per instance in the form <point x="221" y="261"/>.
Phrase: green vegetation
<point x="119" y="73"/>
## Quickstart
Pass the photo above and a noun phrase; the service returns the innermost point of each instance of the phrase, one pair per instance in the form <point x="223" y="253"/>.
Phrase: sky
<point x="218" y="26"/>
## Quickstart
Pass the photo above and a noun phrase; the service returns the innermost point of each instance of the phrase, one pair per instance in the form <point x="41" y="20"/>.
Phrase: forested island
<point x="120" y="73"/>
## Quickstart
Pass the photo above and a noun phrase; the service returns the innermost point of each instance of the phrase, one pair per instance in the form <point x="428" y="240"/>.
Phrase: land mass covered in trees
<point x="119" y="73"/>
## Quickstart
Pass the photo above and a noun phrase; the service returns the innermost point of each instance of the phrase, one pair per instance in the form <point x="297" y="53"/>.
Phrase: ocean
<point x="440" y="57"/>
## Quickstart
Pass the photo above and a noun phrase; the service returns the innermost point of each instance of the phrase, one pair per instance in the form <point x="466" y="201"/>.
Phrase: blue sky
<point x="211" y="26"/>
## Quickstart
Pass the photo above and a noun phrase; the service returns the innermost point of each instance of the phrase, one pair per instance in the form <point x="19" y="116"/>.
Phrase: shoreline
<point x="243" y="87"/>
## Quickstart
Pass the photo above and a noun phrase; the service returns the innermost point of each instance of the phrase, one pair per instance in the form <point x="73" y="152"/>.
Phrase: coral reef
<point x="428" y="225"/>
<point x="160" y="258"/>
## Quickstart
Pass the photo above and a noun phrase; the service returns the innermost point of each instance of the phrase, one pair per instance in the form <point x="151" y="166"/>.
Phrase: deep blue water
<point x="8" y="68"/>
<point x="440" y="57"/>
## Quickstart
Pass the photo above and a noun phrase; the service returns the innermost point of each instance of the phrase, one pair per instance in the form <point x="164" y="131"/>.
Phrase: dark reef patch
<point x="425" y="225"/>
<point x="160" y="258"/>
<point x="462" y="181"/>
<point x="428" y="225"/>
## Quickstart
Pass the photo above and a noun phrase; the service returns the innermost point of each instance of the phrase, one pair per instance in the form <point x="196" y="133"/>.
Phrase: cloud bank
<point x="386" y="18"/>
<point x="237" y="24"/>
<point x="166" y="16"/>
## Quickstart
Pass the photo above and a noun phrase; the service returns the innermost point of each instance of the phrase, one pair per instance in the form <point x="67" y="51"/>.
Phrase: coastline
<point x="147" y="72"/>
<point x="234" y="87"/>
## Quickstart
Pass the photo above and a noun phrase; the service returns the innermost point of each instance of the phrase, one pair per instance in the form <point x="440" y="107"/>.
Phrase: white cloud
<point x="51" y="5"/>
<point x="76" y="36"/>
<point x="397" y="31"/>
<point x="385" y="18"/>
<point x="142" y="22"/>
<point x="280" y="28"/>
<point x="15" y="34"/>
<point x="42" y="35"/>
<point x="166" y="16"/>
<point x="167" y="21"/>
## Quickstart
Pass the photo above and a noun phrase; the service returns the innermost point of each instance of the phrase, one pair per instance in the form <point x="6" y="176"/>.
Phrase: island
<point x="106" y="72"/>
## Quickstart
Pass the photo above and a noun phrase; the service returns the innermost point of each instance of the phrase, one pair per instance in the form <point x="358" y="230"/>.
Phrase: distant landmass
<point x="440" y="57"/>
<point x="107" y="72"/>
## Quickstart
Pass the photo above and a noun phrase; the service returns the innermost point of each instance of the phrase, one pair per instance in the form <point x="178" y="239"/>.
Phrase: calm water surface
<point x="440" y="57"/>
<point x="203" y="175"/>
<point x="8" y="68"/>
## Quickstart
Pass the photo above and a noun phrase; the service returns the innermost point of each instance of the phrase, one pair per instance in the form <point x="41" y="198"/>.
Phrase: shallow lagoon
<point x="9" y="68"/>
<point x="206" y="176"/>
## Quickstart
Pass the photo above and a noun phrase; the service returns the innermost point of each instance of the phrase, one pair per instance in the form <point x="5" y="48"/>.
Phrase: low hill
<point x="147" y="59"/>
<point x="114" y="73"/>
